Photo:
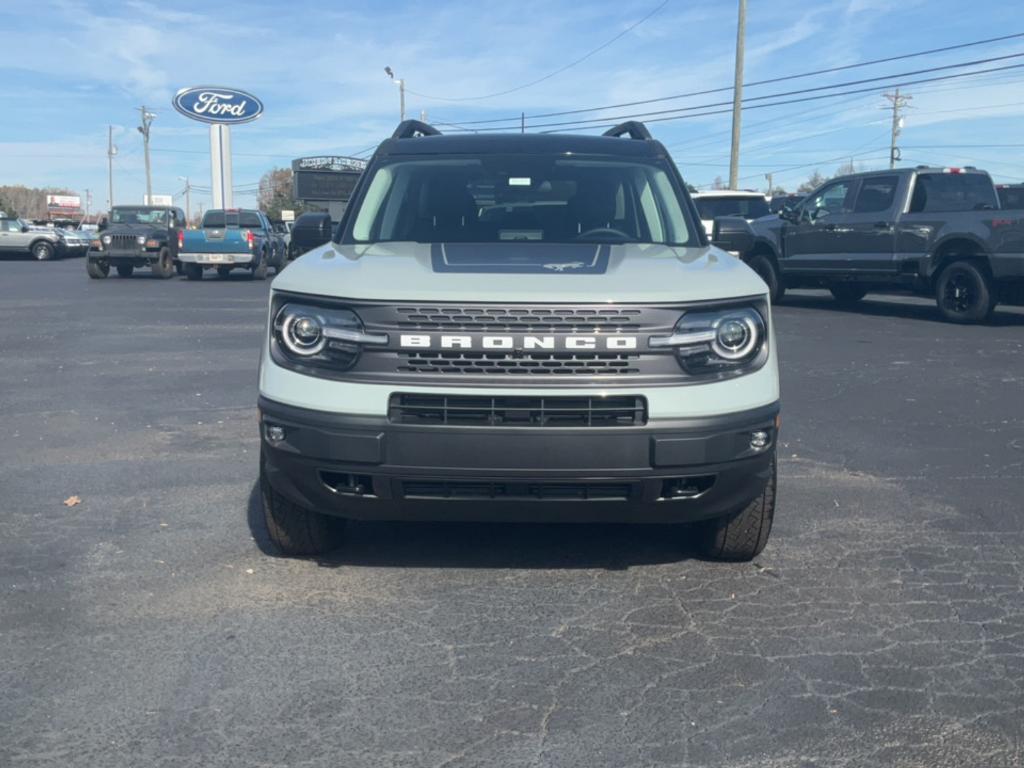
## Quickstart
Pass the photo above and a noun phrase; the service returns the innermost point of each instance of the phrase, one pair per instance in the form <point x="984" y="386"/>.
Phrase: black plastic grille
<point x="469" y="490"/>
<point x="514" y="411"/>
<point x="123" y="243"/>
<point x="520" y="319"/>
<point x="523" y="364"/>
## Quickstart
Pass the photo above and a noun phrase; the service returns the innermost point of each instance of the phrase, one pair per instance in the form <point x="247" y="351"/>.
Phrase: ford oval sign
<point x="211" y="104"/>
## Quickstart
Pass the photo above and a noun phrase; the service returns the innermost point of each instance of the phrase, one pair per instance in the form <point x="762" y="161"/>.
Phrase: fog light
<point x="275" y="434"/>
<point x="759" y="440"/>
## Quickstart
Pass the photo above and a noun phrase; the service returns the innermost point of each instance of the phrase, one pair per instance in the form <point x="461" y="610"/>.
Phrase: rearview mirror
<point x="732" y="233"/>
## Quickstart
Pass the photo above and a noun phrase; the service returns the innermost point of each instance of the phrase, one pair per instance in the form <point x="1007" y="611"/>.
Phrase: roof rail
<point x="408" y="129"/>
<point x="632" y="128"/>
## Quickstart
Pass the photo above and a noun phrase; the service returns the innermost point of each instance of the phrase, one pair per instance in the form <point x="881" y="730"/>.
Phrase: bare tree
<point x="814" y="181"/>
<point x="275" y="192"/>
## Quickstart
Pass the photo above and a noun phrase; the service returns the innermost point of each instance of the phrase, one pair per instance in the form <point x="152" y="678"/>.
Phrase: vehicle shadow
<point x="492" y="545"/>
<point x="886" y="305"/>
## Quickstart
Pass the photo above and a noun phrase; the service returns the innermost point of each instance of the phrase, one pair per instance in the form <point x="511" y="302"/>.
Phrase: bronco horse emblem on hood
<point x="564" y="267"/>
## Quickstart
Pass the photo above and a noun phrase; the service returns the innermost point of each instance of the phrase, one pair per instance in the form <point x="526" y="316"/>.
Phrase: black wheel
<point x="296" y="531"/>
<point x="767" y="271"/>
<point x="964" y="293"/>
<point x="193" y="271"/>
<point x="42" y="251"/>
<point x="163" y="267"/>
<point x="125" y="270"/>
<point x="742" y="536"/>
<point x="97" y="270"/>
<point x="848" y="293"/>
<point x="259" y="272"/>
<point x="223" y="272"/>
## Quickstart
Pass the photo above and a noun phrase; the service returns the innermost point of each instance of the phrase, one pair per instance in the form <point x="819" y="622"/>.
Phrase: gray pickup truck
<point x="935" y="231"/>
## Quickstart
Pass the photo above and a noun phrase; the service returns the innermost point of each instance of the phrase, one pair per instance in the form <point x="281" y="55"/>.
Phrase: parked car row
<point x="155" y="237"/>
<point x="42" y="243"/>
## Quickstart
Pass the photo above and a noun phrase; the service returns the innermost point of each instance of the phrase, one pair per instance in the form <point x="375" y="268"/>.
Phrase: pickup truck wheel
<point x="163" y="267"/>
<point x="125" y="270"/>
<point x="742" y="536"/>
<point x="97" y="270"/>
<point x="964" y="293"/>
<point x="296" y="531"/>
<point x="767" y="271"/>
<point x="848" y="293"/>
<point x="193" y="271"/>
<point x="42" y="251"/>
<point x="259" y="272"/>
<point x="223" y="272"/>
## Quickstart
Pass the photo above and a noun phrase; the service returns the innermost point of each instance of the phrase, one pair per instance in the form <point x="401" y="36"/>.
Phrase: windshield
<point x="148" y="216"/>
<point x="509" y="198"/>
<point x="747" y="207"/>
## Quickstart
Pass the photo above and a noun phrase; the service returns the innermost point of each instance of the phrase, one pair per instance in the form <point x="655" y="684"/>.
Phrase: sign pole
<point x="220" y="166"/>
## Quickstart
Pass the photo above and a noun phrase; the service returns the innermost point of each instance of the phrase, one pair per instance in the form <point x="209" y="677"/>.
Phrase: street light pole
<point x="147" y="120"/>
<point x="737" y="97"/>
<point x="111" y="151"/>
<point x="401" y="91"/>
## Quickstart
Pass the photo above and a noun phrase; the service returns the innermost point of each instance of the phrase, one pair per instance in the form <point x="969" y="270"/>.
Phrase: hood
<point x="520" y="272"/>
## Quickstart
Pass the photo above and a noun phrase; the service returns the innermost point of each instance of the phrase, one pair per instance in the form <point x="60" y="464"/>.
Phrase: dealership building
<point x="326" y="183"/>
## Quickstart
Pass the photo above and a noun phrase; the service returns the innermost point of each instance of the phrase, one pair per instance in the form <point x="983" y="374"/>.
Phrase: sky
<point x="73" y="67"/>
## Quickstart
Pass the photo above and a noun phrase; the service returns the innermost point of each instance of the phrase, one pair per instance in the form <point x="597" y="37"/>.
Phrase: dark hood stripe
<point x="521" y="258"/>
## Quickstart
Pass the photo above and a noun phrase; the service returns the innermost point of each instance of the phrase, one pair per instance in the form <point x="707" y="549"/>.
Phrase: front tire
<point x="97" y="270"/>
<point x="42" y="251"/>
<point x="767" y="271"/>
<point x="193" y="271"/>
<point x="163" y="267"/>
<point x="964" y="293"/>
<point x="125" y="270"/>
<point x="295" y="531"/>
<point x="848" y="293"/>
<point x="742" y="535"/>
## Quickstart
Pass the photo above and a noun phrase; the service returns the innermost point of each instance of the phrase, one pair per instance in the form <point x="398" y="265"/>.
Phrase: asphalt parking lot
<point x="150" y="625"/>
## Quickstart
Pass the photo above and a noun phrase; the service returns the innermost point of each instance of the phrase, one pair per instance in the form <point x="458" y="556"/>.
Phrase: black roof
<point x="525" y="143"/>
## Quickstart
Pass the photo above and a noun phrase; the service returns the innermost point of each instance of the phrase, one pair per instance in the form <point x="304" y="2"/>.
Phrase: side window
<point x="876" y="194"/>
<point x="832" y="198"/>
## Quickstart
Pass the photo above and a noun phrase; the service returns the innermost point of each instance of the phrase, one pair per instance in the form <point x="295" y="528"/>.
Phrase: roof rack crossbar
<point x="408" y="129"/>
<point x="632" y="128"/>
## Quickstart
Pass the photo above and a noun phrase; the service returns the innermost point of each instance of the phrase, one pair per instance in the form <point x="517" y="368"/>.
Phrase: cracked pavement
<point x="149" y="626"/>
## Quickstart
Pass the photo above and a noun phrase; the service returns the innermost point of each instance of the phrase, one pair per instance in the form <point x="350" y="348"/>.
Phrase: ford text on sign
<point x="211" y="104"/>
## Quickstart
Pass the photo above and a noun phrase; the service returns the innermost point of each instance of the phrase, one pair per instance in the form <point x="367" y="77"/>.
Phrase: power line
<point x="550" y="75"/>
<point x="723" y="89"/>
<point x="614" y="120"/>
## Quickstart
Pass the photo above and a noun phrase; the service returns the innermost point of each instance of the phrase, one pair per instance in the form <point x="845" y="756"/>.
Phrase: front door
<point x="11" y="236"/>
<point x="818" y="239"/>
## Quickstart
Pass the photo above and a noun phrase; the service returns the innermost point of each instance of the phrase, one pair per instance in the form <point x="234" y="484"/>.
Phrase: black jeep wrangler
<point x="137" y="236"/>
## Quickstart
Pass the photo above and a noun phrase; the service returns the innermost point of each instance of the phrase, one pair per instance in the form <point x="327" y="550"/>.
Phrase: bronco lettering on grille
<point x="513" y="342"/>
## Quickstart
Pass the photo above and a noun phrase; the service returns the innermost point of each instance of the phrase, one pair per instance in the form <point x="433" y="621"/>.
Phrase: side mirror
<point x="24" y="227"/>
<point x="102" y="224"/>
<point x="788" y="213"/>
<point x="732" y="233"/>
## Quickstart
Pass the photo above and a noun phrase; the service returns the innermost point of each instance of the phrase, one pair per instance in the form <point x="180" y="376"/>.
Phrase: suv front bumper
<point x="368" y="468"/>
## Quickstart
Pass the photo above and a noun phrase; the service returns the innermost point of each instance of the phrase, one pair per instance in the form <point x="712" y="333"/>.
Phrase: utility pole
<point x="737" y="97"/>
<point x="88" y="200"/>
<point x="111" y="151"/>
<point x="898" y="102"/>
<point x="770" y="185"/>
<point x="147" y="120"/>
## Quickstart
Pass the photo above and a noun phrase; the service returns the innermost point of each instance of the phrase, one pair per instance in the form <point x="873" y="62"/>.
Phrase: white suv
<point x="520" y="327"/>
<point x="729" y="202"/>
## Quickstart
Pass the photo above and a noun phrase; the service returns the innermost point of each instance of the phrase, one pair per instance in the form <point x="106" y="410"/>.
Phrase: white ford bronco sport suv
<point x="520" y="327"/>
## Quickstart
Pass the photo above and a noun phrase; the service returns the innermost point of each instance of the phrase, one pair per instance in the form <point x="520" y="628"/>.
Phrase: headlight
<point x="106" y="239"/>
<point x="719" y="342"/>
<point x="141" y="239"/>
<point x="323" y="337"/>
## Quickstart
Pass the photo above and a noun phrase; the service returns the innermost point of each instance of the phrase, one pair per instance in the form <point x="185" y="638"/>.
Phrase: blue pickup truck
<point x="231" y="239"/>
